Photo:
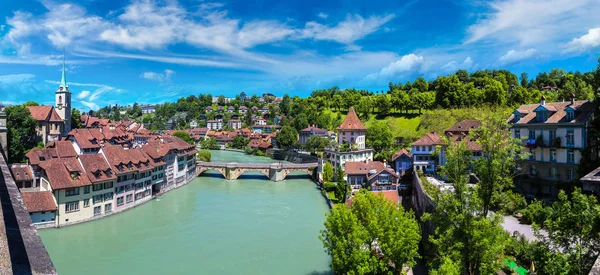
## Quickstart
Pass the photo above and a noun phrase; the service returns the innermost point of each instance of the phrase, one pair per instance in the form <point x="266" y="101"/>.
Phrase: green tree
<point x="574" y="228"/>
<point x="30" y="104"/>
<point x="287" y="137"/>
<point x="239" y="142"/>
<point x="463" y="239"/>
<point x="379" y="137"/>
<point x="300" y="121"/>
<point x="384" y="104"/>
<point x="185" y="136"/>
<point x="209" y="143"/>
<point x="496" y="167"/>
<point x="450" y="92"/>
<point x="494" y="92"/>
<point x="204" y="155"/>
<point x="327" y="172"/>
<point x="75" y="119"/>
<point x="370" y="236"/>
<point x="21" y="132"/>
<point x="316" y="143"/>
<point x="524" y="80"/>
<point x="341" y="187"/>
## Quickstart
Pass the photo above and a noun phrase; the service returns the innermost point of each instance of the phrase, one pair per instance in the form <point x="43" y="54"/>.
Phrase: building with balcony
<point x="214" y="125"/>
<point x="234" y="124"/>
<point x="554" y="135"/>
<point x="308" y="132"/>
<point x="423" y="152"/>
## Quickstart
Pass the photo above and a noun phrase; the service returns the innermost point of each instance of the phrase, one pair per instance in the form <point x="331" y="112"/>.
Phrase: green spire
<point x="63" y="80"/>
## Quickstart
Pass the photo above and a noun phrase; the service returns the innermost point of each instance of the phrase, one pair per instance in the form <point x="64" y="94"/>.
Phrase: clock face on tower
<point x="59" y="107"/>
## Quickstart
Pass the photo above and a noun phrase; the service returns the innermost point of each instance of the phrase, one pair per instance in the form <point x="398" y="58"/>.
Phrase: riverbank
<point x="213" y="226"/>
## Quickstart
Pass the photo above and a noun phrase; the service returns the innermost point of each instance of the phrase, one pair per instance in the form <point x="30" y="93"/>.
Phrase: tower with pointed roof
<point x="352" y="131"/>
<point x="63" y="101"/>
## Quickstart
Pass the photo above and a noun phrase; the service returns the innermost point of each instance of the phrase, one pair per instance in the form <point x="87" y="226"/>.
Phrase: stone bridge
<point x="274" y="171"/>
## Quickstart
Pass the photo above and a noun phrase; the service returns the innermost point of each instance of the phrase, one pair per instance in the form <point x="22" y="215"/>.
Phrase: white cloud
<point x="15" y="78"/>
<point x="531" y="22"/>
<point x="453" y="66"/>
<point x="83" y="94"/>
<point x="513" y="56"/>
<point x="160" y="77"/>
<point x="584" y="42"/>
<point x="406" y="63"/>
<point x="354" y="28"/>
<point x="261" y="32"/>
<point x="322" y="15"/>
<point x="91" y="105"/>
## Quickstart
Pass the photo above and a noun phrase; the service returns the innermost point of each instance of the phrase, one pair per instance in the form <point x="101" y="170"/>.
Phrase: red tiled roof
<point x="362" y="168"/>
<point x="464" y="126"/>
<point x="97" y="168"/>
<point x="390" y="195"/>
<point x="428" y="139"/>
<point x="254" y="143"/>
<point x="352" y="122"/>
<point x="21" y="172"/>
<point x="400" y="153"/>
<point x="39" y="201"/>
<point x="87" y="138"/>
<point x="583" y="110"/>
<point x="59" y="173"/>
<point x="38" y="155"/>
<point x="64" y="149"/>
<point x="44" y="113"/>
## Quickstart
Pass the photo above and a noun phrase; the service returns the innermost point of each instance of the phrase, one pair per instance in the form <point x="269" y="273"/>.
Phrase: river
<point x="210" y="226"/>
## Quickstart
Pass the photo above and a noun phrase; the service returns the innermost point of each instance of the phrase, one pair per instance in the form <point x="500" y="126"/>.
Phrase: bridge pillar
<point x="276" y="173"/>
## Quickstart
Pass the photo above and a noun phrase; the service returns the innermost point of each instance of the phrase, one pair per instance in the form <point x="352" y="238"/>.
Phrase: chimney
<point x="572" y="98"/>
<point x="543" y="101"/>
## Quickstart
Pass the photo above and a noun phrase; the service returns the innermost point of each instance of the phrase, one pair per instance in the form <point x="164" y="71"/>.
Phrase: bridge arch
<point x="221" y="171"/>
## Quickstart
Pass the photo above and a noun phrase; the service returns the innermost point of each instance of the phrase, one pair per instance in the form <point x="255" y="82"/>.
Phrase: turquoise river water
<point x="210" y="226"/>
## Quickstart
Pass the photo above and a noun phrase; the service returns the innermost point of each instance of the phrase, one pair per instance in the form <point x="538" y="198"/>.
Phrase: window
<point x="97" y="210"/>
<point x="570" y="174"/>
<point x="552" y="155"/>
<point x="532" y="171"/>
<point x="531" y="134"/>
<point x="72" y="192"/>
<point x="107" y="208"/>
<point x="120" y="201"/>
<point x="518" y="133"/>
<point x="532" y="154"/>
<point x="86" y="189"/>
<point x="570" y="156"/>
<point x="129" y="198"/>
<point x="98" y="187"/>
<point x="86" y="203"/>
<point x="98" y="198"/>
<point x="108" y="196"/>
<point x="108" y="185"/>
<point x="139" y="185"/>
<point x="570" y="137"/>
<point x="552" y="135"/>
<point x="552" y="172"/>
<point x="570" y="115"/>
<point x="72" y="206"/>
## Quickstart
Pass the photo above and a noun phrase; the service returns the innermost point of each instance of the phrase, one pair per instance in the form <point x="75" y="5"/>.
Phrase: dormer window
<point x="570" y="115"/>
<point x="517" y="116"/>
<point x="541" y="116"/>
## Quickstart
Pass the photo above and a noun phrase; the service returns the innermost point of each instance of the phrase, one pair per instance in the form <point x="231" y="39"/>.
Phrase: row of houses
<point x="257" y="140"/>
<point x="554" y="134"/>
<point x="85" y="176"/>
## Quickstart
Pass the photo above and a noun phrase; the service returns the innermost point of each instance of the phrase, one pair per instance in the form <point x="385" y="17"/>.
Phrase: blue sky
<point x="156" y="51"/>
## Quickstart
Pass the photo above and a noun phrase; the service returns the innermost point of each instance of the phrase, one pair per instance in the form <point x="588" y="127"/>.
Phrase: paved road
<point x="512" y="224"/>
<point x="257" y="166"/>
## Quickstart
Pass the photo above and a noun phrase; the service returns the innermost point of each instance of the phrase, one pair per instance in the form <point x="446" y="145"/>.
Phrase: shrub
<point x="536" y="213"/>
<point x="248" y="150"/>
<point x="260" y="153"/>
<point x="204" y="155"/>
<point x="509" y="202"/>
<point x="329" y="186"/>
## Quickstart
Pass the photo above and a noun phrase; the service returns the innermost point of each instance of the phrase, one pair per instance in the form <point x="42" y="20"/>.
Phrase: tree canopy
<point x="21" y="132"/>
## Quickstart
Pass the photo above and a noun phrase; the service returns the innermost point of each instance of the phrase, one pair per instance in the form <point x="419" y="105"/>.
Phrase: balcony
<point x="541" y="142"/>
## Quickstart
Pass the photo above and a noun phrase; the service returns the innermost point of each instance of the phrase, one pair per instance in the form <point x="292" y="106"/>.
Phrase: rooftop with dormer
<point x="568" y="112"/>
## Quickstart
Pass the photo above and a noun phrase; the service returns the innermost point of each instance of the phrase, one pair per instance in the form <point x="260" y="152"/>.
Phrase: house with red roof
<point x="50" y="124"/>
<point x="41" y="206"/>
<point x="402" y="161"/>
<point x="375" y="175"/>
<point x="351" y="139"/>
<point x="555" y="134"/>
<point x="310" y="131"/>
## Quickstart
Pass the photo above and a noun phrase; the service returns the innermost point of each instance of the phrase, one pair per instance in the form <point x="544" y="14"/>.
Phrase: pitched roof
<point x="313" y="129"/>
<point x="38" y="155"/>
<point x="87" y="138"/>
<point x="44" y="113"/>
<point x="65" y="173"/>
<point x="365" y="168"/>
<point x="428" y="139"/>
<point x="390" y="195"/>
<point x="21" y="172"/>
<point x="351" y="122"/>
<point x="400" y="153"/>
<point x="39" y="201"/>
<point x="583" y="110"/>
<point x="97" y="168"/>
<point x="464" y="126"/>
<point x="64" y="148"/>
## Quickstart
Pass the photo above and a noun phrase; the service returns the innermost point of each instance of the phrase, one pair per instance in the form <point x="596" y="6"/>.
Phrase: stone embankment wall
<point x="21" y="249"/>
<point x="291" y="156"/>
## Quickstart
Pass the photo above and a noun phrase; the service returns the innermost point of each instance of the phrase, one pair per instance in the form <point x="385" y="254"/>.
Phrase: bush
<point x="536" y="213"/>
<point x="329" y="186"/>
<point x="204" y="155"/>
<point x="260" y="153"/>
<point x="509" y="202"/>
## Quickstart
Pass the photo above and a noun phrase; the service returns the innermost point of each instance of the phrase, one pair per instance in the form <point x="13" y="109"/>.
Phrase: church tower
<point x="63" y="101"/>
